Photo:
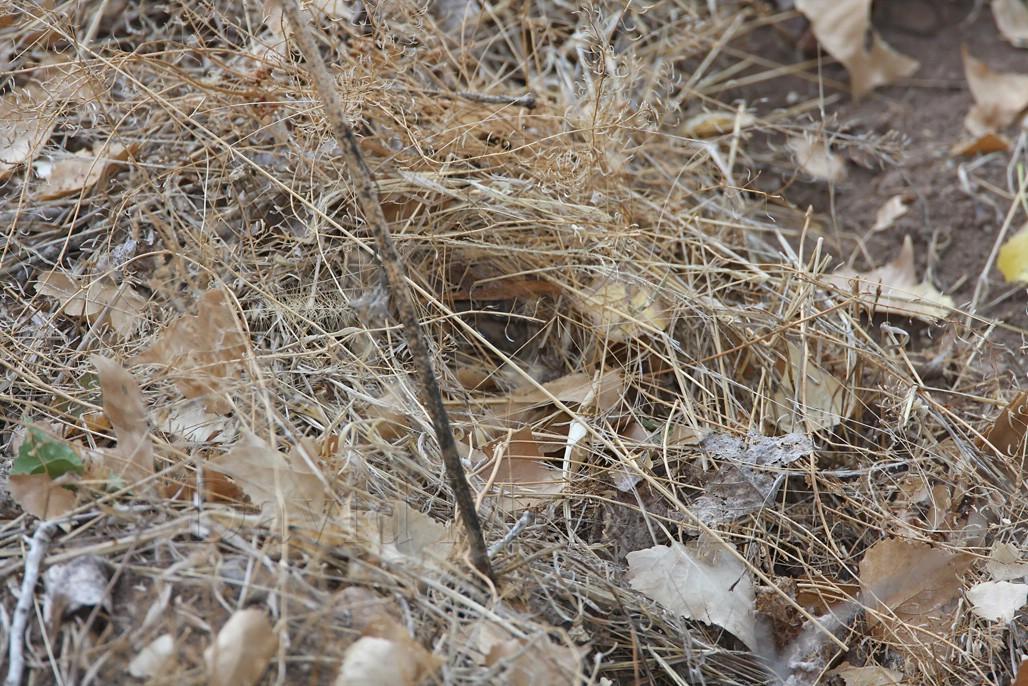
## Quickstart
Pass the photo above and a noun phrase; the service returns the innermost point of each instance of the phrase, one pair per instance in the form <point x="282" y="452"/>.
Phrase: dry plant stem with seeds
<point x="400" y="298"/>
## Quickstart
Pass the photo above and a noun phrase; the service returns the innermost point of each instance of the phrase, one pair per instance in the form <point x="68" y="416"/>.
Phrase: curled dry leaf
<point x="204" y="352"/>
<point x="518" y="475"/>
<point x="1012" y="20"/>
<point x="819" y="402"/>
<point x="283" y="486"/>
<point x="894" y="208"/>
<point x="124" y="306"/>
<point x="1004" y="563"/>
<point x="124" y="406"/>
<point x="374" y="661"/>
<point x="843" y="27"/>
<point x="25" y="127"/>
<point x="981" y="145"/>
<point x="242" y="649"/>
<point x="78" y="171"/>
<point x="1012" y="260"/>
<point x="623" y="307"/>
<point x="710" y="124"/>
<point x="997" y="601"/>
<point x="600" y="390"/>
<point x="407" y="535"/>
<point x="189" y="420"/>
<point x="153" y="659"/>
<point x="537" y="660"/>
<point x="747" y="482"/>
<point x="911" y="591"/>
<point x="894" y="288"/>
<point x="999" y="97"/>
<point x="814" y="157"/>
<point x="700" y="581"/>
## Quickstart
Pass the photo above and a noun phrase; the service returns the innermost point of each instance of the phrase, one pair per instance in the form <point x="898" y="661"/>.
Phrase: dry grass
<point x="509" y="217"/>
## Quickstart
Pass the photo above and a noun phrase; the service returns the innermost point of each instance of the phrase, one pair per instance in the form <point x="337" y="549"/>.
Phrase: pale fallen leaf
<point x="242" y="649"/>
<point x="78" y="171"/>
<point x="191" y="421"/>
<point x="600" y="390"/>
<point x="701" y="581"/>
<point x="153" y="658"/>
<point x="42" y="496"/>
<point x="843" y="28"/>
<point x="25" y="127"/>
<point x="204" y="352"/>
<point x="814" y="157"/>
<point x="893" y="208"/>
<point x="281" y="485"/>
<point x="623" y="307"/>
<point x="709" y="124"/>
<point x="819" y="402"/>
<point x="998" y="96"/>
<point x="872" y="675"/>
<point x="519" y="474"/>
<point x="62" y="77"/>
<point x="997" y="601"/>
<point x="123" y="304"/>
<point x="124" y="406"/>
<point x="1012" y="20"/>
<point x="537" y="661"/>
<point x="894" y="288"/>
<point x="373" y="661"/>
<point x="1004" y="563"/>
<point x="911" y="590"/>
<point x="407" y="535"/>
<point x="84" y="582"/>
<point x="1012" y="260"/>
<point x="747" y="481"/>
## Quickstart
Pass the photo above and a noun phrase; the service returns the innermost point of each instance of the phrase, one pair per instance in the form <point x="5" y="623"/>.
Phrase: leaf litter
<point x="618" y="337"/>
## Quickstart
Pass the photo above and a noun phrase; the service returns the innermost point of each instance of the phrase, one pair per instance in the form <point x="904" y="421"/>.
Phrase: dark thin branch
<point x="399" y="295"/>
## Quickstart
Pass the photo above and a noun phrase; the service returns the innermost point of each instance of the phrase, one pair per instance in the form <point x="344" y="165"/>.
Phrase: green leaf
<point x="42" y="454"/>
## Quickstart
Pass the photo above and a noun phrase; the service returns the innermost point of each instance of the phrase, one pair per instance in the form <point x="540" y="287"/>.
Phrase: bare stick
<point x="33" y="561"/>
<point x="399" y="295"/>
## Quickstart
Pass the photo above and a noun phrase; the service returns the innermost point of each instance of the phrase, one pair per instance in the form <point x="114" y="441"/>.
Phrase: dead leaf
<point x="78" y="171"/>
<point x="997" y="601"/>
<point x="843" y="27"/>
<point x="407" y="535"/>
<point x="536" y="661"/>
<point x="25" y="127"/>
<point x="871" y="675"/>
<point x="1012" y="21"/>
<point x="518" y="473"/>
<point x="700" y="581"/>
<point x="911" y="590"/>
<point x="893" y="208"/>
<point x="999" y="96"/>
<point x="601" y="390"/>
<point x="123" y="304"/>
<point x="623" y="307"/>
<point x="204" y="352"/>
<point x="1004" y="563"/>
<point x="710" y="124"/>
<point x="42" y="496"/>
<point x="820" y="402"/>
<point x="747" y="481"/>
<point x="154" y="658"/>
<point x="85" y="582"/>
<point x="281" y="485"/>
<point x="1022" y="674"/>
<point x="814" y="157"/>
<point x="189" y="420"/>
<point x="894" y="288"/>
<point x="981" y="145"/>
<point x="242" y="649"/>
<point x="124" y="406"/>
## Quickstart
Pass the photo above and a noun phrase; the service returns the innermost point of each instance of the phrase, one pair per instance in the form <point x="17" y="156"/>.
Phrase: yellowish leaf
<point x="623" y="308"/>
<point x="843" y="27"/>
<point x="894" y="288"/>
<point x="820" y="401"/>
<point x="710" y="124"/>
<point x="1012" y="260"/>
<point x="894" y="208"/>
<point x="242" y="650"/>
<point x="999" y="97"/>
<point x="814" y="157"/>
<point x="871" y="675"/>
<point x="124" y="406"/>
